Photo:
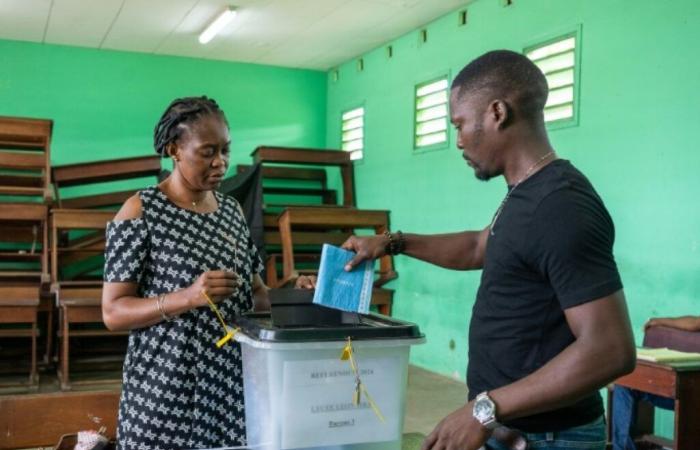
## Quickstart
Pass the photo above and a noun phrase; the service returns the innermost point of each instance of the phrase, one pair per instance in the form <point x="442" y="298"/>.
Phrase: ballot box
<point x="300" y="393"/>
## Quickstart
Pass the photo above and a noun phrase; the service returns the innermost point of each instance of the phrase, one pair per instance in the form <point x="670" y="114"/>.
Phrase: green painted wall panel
<point x="636" y="140"/>
<point x="106" y="103"/>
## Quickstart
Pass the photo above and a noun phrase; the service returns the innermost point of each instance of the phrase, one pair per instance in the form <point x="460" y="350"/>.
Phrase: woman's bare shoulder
<point x="131" y="209"/>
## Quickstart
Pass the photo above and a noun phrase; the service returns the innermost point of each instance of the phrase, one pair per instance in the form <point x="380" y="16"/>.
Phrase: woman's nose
<point x="219" y="160"/>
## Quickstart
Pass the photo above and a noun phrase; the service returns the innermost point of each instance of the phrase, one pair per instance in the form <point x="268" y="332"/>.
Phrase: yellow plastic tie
<point x="371" y="402"/>
<point x="229" y="333"/>
<point x="220" y="343"/>
<point x="347" y="351"/>
<point x="348" y="355"/>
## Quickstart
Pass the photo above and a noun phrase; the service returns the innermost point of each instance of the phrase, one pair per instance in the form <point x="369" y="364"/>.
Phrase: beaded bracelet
<point x="396" y="244"/>
<point x="161" y="309"/>
<point x="401" y="243"/>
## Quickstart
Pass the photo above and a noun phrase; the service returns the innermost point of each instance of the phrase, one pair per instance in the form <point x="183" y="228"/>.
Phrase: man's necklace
<point x="508" y="194"/>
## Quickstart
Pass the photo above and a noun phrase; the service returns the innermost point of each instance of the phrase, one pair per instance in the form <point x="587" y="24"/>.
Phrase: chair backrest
<point x="329" y="225"/>
<point x="71" y="251"/>
<point x="24" y="243"/>
<point x="681" y="340"/>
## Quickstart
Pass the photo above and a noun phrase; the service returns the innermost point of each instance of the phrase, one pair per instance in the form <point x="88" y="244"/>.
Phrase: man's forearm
<point x="457" y="251"/>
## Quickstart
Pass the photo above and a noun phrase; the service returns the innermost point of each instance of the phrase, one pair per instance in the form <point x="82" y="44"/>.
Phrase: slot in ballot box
<point x="299" y="393"/>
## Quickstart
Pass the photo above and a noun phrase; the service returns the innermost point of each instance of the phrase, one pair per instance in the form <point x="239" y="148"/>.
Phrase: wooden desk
<point x="678" y="381"/>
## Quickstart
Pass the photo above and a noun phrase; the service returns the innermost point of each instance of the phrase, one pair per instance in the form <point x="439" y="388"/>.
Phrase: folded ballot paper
<point x="336" y="288"/>
<point x="665" y="355"/>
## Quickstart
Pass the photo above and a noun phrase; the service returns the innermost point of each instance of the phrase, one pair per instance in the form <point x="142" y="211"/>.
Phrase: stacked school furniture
<point x="301" y="214"/>
<point x="77" y="226"/>
<point x="24" y="196"/>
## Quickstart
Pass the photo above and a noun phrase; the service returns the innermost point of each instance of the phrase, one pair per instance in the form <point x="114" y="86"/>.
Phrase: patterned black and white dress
<point x="180" y="390"/>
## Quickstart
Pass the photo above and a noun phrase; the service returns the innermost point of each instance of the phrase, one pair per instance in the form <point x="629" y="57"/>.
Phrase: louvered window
<point x="431" y="113"/>
<point x="353" y="132"/>
<point x="557" y="60"/>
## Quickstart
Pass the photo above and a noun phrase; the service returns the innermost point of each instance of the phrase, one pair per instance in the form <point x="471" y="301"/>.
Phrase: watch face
<point x="483" y="409"/>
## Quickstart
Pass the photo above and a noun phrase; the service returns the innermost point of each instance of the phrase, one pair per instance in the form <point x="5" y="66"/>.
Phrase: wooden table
<point x="680" y="381"/>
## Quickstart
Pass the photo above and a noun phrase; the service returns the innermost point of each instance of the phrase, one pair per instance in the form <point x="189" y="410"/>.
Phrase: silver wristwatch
<point x="484" y="411"/>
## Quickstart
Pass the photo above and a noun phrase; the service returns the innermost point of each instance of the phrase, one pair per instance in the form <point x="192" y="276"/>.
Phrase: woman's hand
<point x="687" y="323"/>
<point x="653" y="322"/>
<point x="305" y="282"/>
<point x="218" y="284"/>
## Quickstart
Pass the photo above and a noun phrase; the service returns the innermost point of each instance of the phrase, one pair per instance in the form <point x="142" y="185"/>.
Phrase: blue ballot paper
<point x="336" y="288"/>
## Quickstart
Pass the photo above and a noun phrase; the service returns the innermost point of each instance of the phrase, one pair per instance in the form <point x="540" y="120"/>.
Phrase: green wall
<point x="637" y="140"/>
<point x="105" y="103"/>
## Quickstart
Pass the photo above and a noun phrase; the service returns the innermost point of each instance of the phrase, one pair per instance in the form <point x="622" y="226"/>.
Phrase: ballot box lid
<point x="259" y="326"/>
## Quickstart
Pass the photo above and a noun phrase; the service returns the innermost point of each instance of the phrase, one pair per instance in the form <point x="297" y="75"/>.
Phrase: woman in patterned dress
<point x="166" y="246"/>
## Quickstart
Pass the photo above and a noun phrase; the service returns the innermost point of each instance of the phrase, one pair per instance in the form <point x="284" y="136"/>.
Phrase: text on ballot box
<point x="318" y="406"/>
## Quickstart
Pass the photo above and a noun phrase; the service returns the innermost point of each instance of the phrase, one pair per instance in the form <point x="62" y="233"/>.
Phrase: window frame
<point x="560" y="35"/>
<point x="364" y="128"/>
<point x="442" y="75"/>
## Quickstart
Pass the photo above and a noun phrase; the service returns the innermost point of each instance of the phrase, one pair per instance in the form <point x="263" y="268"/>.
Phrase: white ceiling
<point x="314" y="34"/>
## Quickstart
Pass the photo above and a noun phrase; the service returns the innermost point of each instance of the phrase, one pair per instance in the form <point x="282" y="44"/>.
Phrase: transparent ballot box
<point x="339" y="387"/>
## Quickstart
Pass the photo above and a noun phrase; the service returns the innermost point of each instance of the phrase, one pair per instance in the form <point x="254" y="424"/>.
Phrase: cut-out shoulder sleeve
<point x="131" y="209"/>
<point x="127" y="245"/>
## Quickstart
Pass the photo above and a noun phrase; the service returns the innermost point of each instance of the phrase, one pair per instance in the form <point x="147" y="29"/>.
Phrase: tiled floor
<point x="429" y="398"/>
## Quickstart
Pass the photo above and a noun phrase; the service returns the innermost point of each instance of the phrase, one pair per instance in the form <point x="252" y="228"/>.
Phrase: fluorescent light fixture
<point x="217" y="25"/>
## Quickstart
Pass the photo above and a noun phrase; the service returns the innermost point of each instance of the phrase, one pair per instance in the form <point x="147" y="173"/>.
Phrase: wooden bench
<point x="79" y="298"/>
<point x="24" y="273"/>
<point x="293" y="184"/>
<point x="25" y="157"/>
<point x="91" y="173"/>
<point x="313" y="157"/>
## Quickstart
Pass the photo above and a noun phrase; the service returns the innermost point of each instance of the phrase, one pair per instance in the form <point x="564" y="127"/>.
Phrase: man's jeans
<point x="585" y="437"/>
<point x="625" y="401"/>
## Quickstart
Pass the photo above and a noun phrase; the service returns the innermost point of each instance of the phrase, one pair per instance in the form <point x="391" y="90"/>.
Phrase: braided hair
<point x="180" y="112"/>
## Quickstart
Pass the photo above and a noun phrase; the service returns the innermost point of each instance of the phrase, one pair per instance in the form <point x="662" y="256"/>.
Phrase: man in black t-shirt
<point x="550" y="325"/>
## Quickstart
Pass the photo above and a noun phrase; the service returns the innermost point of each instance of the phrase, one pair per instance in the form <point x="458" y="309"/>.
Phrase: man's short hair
<point x="505" y="75"/>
